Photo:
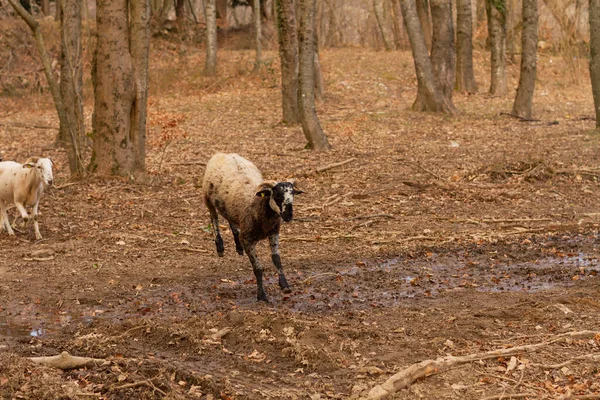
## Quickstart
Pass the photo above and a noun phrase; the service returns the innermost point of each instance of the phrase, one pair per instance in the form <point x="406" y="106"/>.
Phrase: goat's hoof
<point x="262" y="297"/>
<point x="286" y="290"/>
<point x="240" y="251"/>
<point x="220" y="254"/>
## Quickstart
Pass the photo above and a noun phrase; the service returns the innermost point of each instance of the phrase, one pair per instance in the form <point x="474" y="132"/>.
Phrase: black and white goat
<point x="254" y="208"/>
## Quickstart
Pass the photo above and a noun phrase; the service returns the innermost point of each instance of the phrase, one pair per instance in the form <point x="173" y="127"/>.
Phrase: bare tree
<point x="425" y="20"/>
<point x="595" y="55"/>
<point x="465" y="77"/>
<point x="210" y="11"/>
<point x="386" y="34"/>
<point x="120" y="75"/>
<point x="524" y="98"/>
<point x="257" y="27"/>
<point x="71" y="82"/>
<point x="496" y="12"/>
<point x="429" y="95"/>
<point x="288" y="54"/>
<point x="317" y="140"/>
<point x="442" y="49"/>
<point x="71" y="56"/>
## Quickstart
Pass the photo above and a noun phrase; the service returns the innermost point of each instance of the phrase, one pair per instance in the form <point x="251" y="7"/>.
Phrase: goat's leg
<point x="258" y="271"/>
<point x="236" y="236"/>
<point x="214" y="218"/>
<point x="38" y="235"/>
<point x="22" y="211"/>
<point x="274" y="242"/>
<point x="5" y="221"/>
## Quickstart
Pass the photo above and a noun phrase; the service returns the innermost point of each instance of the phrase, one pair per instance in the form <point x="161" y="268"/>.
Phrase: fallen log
<point x="66" y="361"/>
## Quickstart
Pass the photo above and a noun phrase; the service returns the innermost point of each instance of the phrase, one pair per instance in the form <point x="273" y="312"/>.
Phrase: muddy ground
<point x="443" y="235"/>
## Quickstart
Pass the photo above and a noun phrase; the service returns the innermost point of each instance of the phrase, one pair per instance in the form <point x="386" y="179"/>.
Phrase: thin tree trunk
<point x="179" y="10"/>
<point x="288" y="54"/>
<point x="442" y="49"/>
<point x="317" y="140"/>
<point x="210" y="68"/>
<point x="71" y="82"/>
<point x="257" y="27"/>
<point x="567" y="23"/>
<point x="465" y="77"/>
<point x="524" y="98"/>
<point x="425" y="20"/>
<point x="496" y="12"/>
<point x="429" y="96"/>
<point x="64" y="134"/>
<point x="120" y="76"/>
<point x="46" y="7"/>
<point x="595" y="55"/>
<point x="386" y="34"/>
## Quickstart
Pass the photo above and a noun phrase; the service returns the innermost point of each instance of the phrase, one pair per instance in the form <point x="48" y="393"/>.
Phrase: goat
<point x="254" y="208"/>
<point x="23" y="185"/>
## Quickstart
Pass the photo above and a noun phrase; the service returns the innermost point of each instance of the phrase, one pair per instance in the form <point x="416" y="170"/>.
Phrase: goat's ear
<point x="29" y="165"/>
<point x="264" y="193"/>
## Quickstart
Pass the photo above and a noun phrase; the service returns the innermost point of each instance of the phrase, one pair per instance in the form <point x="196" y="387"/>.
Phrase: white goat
<point x="234" y="188"/>
<point x="23" y="185"/>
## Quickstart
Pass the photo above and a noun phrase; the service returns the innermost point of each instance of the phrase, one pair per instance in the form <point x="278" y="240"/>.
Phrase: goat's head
<point x="42" y="167"/>
<point x="281" y="197"/>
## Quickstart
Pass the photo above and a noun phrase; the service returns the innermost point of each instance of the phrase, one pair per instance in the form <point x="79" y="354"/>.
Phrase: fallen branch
<point x="316" y="238"/>
<point x="66" y="361"/>
<point x="422" y="168"/>
<point x="17" y="125"/>
<point x="193" y="250"/>
<point x="522" y="119"/>
<point x="147" y="382"/>
<point x="335" y="165"/>
<point x="508" y="220"/>
<point x="505" y="396"/>
<point x="373" y="216"/>
<point x="189" y="163"/>
<point x="591" y="357"/>
<point x="409" y="375"/>
<point x="66" y="185"/>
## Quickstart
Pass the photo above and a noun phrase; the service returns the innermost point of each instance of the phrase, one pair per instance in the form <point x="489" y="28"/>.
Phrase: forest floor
<point x="441" y="235"/>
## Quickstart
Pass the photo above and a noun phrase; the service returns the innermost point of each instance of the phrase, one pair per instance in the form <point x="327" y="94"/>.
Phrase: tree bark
<point x="524" y="98"/>
<point x="429" y="95"/>
<point x="46" y="7"/>
<point x="595" y="55"/>
<point x="443" y="58"/>
<point x="210" y="67"/>
<point x="317" y="140"/>
<point x="120" y="75"/>
<point x="288" y="54"/>
<point x="71" y="82"/>
<point x="257" y="27"/>
<point x="425" y="21"/>
<point x="179" y="10"/>
<point x="496" y="12"/>
<point x="465" y="77"/>
<point x="386" y="34"/>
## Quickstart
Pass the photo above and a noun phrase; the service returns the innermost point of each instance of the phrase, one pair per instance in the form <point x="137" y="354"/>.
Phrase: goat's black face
<point x="283" y="197"/>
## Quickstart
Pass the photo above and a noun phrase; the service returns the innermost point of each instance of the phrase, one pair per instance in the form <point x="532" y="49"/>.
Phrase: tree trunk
<point x="71" y="83"/>
<point x="46" y="7"/>
<point x="120" y="76"/>
<point x="524" y="98"/>
<point x="288" y="54"/>
<point x="595" y="55"/>
<point x="210" y="68"/>
<point x="317" y="140"/>
<point x="496" y="12"/>
<point x="429" y="96"/>
<point x="442" y="49"/>
<point x="386" y="34"/>
<point x="257" y="27"/>
<point x="425" y="20"/>
<point x="64" y="127"/>
<point x="465" y="77"/>
<point x="179" y="10"/>
<point x="221" y="9"/>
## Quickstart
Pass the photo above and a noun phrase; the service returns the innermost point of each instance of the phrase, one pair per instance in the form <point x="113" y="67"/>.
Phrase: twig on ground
<point x="522" y="119"/>
<point x="66" y="361"/>
<point x="189" y="163"/>
<point x="147" y="382"/>
<point x="508" y="220"/>
<point x="122" y="335"/>
<point x="318" y="275"/>
<point x="18" y="125"/>
<point x="505" y="396"/>
<point x="316" y="238"/>
<point x="591" y="357"/>
<point x="409" y="375"/>
<point x="334" y="165"/>
<point x="422" y="168"/>
<point x="192" y="249"/>
<point x="373" y="216"/>
<point x="66" y="185"/>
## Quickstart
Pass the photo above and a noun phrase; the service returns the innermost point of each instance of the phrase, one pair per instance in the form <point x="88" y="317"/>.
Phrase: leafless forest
<point x="445" y="245"/>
